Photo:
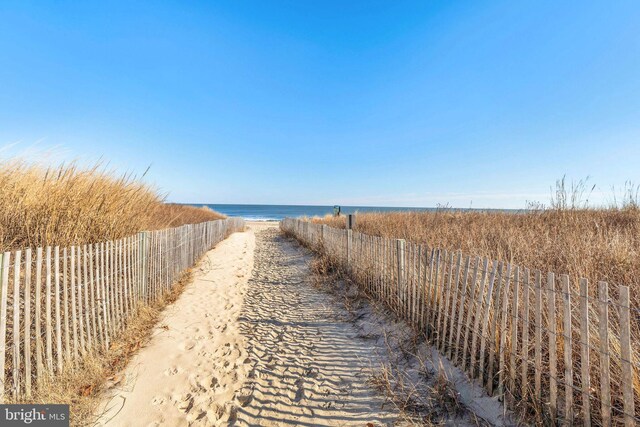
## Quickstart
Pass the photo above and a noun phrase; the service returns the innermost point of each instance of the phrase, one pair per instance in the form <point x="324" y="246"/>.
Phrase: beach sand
<point x="196" y="358"/>
<point x="252" y="341"/>
<point x="311" y="368"/>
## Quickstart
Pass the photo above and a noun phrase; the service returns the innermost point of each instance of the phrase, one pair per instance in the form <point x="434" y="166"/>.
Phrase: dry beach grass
<point x="68" y="205"/>
<point x="599" y="244"/>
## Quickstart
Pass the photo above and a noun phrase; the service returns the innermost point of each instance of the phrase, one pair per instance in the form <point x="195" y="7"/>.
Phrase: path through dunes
<point x="311" y="368"/>
<point x="252" y="342"/>
<point x="249" y="343"/>
<point x="196" y="359"/>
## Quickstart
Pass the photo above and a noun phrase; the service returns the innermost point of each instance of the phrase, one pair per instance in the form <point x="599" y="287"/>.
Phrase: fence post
<point x="553" y="347"/>
<point x="142" y="237"/>
<point x="603" y="329"/>
<point x="626" y="352"/>
<point x="349" y="247"/>
<point x="400" y="245"/>
<point x="568" y="349"/>
<point x="351" y="221"/>
<point x="585" y="365"/>
<point x="4" y="288"/>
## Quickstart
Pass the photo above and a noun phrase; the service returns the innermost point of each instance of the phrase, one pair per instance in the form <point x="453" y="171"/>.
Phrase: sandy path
<point x="190" y="370"/>
<point x="311" y="367"/>
<point x="250" y="342"/>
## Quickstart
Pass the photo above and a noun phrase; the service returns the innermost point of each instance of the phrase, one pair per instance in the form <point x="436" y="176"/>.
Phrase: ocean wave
<point x="260" y="218"/>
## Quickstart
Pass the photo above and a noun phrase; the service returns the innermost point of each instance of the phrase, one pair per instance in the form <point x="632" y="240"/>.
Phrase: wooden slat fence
<point x="57" y="304"/>
<point x="555" y="350"/>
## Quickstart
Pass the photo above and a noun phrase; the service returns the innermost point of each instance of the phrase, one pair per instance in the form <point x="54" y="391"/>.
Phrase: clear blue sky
<point x="400" y="103"/>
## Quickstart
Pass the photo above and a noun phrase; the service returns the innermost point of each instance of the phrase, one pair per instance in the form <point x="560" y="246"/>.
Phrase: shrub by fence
<point x="56" y="304"/>
<point x="561" y="351"/>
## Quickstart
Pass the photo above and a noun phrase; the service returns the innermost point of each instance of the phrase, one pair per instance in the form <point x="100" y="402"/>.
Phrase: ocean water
<point x="278" y="212"/>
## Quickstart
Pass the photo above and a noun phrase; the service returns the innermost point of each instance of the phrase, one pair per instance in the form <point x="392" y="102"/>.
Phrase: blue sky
<point x="395" y="103"/>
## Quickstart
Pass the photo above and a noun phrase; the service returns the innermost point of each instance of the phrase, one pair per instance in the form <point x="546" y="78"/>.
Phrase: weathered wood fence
<point x="561" y="352"/>
<point x="57" y="304"/>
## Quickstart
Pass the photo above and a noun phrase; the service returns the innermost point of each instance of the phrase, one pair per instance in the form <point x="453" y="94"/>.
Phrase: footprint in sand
<point x="197" y="415"/>
<point x="194" y="379"/>
<point x="172" y="371"/>
<point x="244" y="397"/>
<point x="188" y="345"/>
<point x="186" y="405"/>
<point x="214" y="383"/>
<point x="158" y="400"/>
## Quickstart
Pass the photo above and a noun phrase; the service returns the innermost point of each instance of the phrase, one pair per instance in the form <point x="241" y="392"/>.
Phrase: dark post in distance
<point x="351" y="221"/>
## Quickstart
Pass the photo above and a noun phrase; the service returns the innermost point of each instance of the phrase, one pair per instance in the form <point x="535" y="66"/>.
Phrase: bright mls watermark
<point x="34" y="415"/>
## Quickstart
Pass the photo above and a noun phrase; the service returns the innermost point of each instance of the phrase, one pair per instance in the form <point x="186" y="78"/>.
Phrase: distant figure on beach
<point x="336" y="210"/>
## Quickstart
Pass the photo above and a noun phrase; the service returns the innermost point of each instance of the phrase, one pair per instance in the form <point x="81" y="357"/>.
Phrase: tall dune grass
<point x="166" y="215"/>
<point x="600" y="244"/>
<point x="67" y="205"/>
<point x="567" y="238"/>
